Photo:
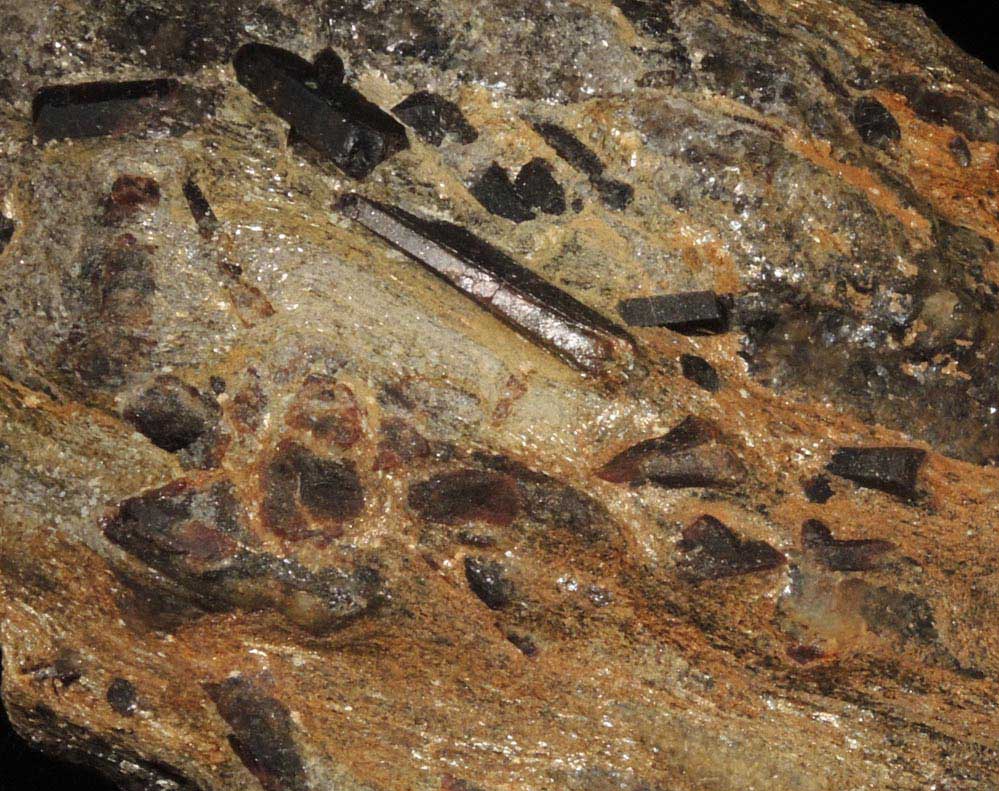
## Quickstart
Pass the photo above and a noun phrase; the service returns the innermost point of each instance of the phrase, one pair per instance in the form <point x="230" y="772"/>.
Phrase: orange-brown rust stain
<point x="819" y="153"/>
<point x="967" y="196"/>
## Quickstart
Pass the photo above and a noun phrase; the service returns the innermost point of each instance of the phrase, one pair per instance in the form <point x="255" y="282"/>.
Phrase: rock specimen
<point x="317" y="472"/>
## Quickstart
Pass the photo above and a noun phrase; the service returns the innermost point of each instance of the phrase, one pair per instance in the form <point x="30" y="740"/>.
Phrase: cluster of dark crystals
<point x="689" y="312"/>
<point x="331" y="117"/>
<point x="861" y="554"/>
<point x="534" y="188"/>
<point x="712" y="550"/>
<point x="542" y="312"/>
<point x="615" y="194"/>
<point x="196" y="538"/>
<point x="434" y="118"/>
<point x="890" y="469"/>
<point x="689" y="455"/>
<point x="496" y="193"/>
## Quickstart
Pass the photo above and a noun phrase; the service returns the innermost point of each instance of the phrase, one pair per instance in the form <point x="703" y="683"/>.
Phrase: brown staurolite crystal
<point x="283" y="508"/>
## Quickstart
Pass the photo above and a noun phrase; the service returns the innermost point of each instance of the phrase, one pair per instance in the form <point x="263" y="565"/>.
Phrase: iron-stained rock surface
<point x="282" y="508"/>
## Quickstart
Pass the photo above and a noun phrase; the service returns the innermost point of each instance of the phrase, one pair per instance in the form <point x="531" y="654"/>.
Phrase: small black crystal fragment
<point x="958" y="147"/>
<point x="861" y="554"/>
<point x="6" y="231"/>
<point x="494" y="191"/>
<point x="712" y="550"/>
<point x="890" y="469"/>
<point x="487" y="581"/>
<point x="93" y="109"/>
<point x="545" y="314"/>
<point x="615" y="194"/>
<point x="538" y="188"/>
<point x="700" y="372"/>
<point x="121" y="697"/>
<point x="201" y="210"/>
<point x="689" y="312"/>
<point x="874" y="123"/>
<point x="336" y="120"/>
<point x="433" y="117"/>
<point x="817" y="489"/>
<point x="570" y="148"/>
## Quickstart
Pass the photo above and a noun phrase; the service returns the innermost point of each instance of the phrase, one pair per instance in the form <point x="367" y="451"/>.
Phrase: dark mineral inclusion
<point x="890" y="469"/>
<point x="861" y="554"/>
<point x="687" y="312"/>
<point x="537" y="309"/>
<point x="689" y="455"/>
<point x="710" y="549"/>
<point x="434" y="118"/>
<point x="496" y="192"/>
<point x="94" y="109"/>
<point x="615" y="194"/>
<point x="334" y="119"/>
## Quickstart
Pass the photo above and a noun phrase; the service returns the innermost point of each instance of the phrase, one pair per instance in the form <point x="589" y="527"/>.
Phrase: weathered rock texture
<point x="282" y="509"/>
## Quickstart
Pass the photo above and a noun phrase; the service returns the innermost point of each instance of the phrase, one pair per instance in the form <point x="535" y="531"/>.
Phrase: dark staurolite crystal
<point x="693" y="453"/>
<point x="6" y="231"/>
<point x="874" y="123"/>
<point x="336" y="120"/>
<point x="700" y="372"/>
<point x="538" y="189"/>
<point x="494" y="190"/>
<point x="687" y="312"/>
<point x="615" y="194"/>
<point x="890" y="469"/>
<point x="710" y="550"/>
<point x="94" y="109"/>
<point x="200" y="208"/>
<point x="858" y="554"/>
<point x="539" y="310"/>
<point x="434" y="118"/>
<point x="487" y="580"/>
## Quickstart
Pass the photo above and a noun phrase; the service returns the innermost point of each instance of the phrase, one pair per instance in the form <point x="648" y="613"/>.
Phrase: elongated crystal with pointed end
<point x="534" y="307"/>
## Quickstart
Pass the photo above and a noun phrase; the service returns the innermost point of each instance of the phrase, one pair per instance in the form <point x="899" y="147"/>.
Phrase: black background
<point x="973" y="24"/>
